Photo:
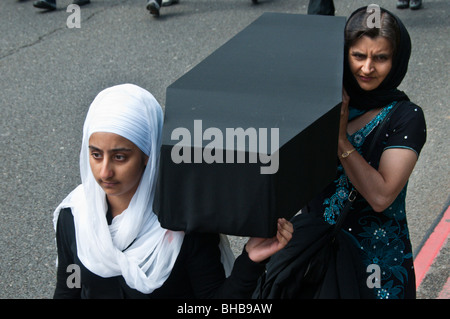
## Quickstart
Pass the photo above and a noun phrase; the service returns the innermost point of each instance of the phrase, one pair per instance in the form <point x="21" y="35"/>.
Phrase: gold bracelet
<point x="347" y="153"/>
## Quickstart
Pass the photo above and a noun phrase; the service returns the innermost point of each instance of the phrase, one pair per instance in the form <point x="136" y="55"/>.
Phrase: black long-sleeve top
<point x="197" y="272"/>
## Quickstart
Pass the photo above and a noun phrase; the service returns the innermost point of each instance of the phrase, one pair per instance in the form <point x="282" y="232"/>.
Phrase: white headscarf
<point x="134" y="245"/>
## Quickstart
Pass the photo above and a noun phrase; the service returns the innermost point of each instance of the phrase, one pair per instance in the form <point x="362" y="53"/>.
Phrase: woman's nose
<point x="367" y="66"/>
<point x="106" y="170"/>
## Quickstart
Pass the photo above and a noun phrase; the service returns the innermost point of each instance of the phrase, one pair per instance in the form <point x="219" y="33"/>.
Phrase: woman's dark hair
<point x="358" y="26"/>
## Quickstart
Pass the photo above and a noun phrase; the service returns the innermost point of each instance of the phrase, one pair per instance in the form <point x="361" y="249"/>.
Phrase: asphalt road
<point x="51" y="73"/>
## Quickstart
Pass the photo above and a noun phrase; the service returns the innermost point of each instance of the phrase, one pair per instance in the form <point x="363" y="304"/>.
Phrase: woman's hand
<point x="259" y="249"/>
<point x="344" y="116"/>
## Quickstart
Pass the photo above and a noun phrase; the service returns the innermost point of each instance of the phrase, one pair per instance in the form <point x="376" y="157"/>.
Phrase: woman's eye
<point x="96" y="155"/>
<point x="381" y="58"/>
<point x="119" y="157"/>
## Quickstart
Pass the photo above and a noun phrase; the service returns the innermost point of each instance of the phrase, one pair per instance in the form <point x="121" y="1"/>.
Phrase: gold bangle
<point x="347" y="153"/>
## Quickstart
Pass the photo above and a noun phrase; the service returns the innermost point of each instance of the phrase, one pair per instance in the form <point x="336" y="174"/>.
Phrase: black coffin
<point x="250" y="133"/>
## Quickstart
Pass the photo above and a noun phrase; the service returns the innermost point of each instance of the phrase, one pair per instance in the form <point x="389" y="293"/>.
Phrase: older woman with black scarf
<point x="352" y="240"/>
<point x="376" y="61"/>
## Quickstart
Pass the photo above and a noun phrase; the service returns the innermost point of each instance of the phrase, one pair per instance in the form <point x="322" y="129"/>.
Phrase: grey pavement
<point x="50" y="74"/>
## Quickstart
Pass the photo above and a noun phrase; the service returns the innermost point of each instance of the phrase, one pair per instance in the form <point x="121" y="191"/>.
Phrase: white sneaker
<point x="166" y="3"/>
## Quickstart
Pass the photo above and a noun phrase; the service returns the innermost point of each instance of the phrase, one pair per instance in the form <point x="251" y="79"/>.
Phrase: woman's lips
<point x="109" y="184"/>
<point x="365" y="78"/>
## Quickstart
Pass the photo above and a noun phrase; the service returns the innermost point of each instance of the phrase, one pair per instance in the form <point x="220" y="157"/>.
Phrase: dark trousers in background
<point x="322" y="7"/>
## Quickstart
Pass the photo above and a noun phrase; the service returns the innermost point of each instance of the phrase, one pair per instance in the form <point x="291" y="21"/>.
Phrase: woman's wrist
<point x="345" y="148"/>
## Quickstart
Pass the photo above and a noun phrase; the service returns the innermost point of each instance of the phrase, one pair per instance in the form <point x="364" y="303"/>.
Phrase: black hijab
<point x="387" y="91"/>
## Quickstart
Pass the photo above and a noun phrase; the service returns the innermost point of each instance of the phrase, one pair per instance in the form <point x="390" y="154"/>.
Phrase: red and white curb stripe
<point x="430" y="250"/>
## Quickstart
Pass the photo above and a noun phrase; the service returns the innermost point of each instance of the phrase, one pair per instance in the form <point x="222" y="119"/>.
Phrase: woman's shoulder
<point x="407" y="127"/>
<point x="408" y="114"/>
<point x="65" y="215"/>
<point x="408" y="109"/>
<point x="65" y="223"/>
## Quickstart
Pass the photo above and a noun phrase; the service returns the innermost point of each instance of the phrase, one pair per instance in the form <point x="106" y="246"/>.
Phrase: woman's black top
<point x="197" y="272"/>
<point x="382" y="238"/>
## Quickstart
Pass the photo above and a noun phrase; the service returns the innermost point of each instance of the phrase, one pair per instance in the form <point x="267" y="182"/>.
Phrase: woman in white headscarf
<point x="110" y="243"/>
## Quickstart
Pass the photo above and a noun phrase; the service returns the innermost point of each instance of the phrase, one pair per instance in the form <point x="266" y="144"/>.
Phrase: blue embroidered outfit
<point x="381" y="237"/>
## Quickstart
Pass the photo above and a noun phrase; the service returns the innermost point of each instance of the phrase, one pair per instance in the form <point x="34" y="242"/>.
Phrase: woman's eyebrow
<point x="387" y="54"/>
<point x="356" y="51"/>
<point x="119" y="149"/>
<point x="93" y="148"/>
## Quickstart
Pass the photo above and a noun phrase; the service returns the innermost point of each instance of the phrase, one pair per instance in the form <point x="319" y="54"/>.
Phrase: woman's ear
<point x="145" y="160"/>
